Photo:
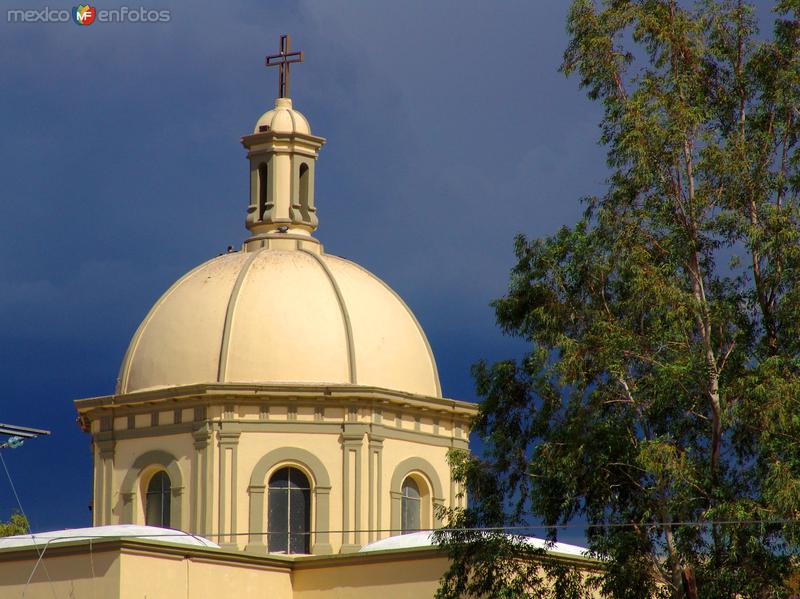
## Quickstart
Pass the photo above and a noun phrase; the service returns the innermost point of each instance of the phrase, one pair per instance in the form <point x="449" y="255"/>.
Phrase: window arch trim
<point x="130" y="484"/>
<point x="423" y="469"/>
<point x="320" y="496"/>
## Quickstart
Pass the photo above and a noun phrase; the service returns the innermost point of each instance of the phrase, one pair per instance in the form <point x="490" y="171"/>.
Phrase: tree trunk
<point x="689" y="583"/>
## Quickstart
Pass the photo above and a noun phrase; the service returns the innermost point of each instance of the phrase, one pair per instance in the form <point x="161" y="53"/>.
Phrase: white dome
<point x="280" y="316"/>
<point x="283" y="119"/>
<point x="124" y="531"/>
<point x="425" y="540"/>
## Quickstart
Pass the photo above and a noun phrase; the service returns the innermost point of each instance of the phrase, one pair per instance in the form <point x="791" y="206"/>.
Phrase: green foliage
<point x="16" y="525"/>
<point x="659" y="399"/>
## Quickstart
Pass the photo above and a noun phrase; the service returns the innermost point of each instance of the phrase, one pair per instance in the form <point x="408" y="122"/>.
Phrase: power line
<point x="528" y="527"/>
<point x="536" y="527"/>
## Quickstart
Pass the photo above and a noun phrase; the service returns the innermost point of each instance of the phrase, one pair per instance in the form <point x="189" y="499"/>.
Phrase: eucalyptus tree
<point x="17" y="524"/>
<point x="659" y="400"/>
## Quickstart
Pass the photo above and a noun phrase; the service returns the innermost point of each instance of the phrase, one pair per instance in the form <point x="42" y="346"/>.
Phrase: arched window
<point x="289" y="512"/>
<point x="157" y="500"/>
<point x="303" y="191"/>
<point x="263" y="184"/>
<point x="410" y="506"/>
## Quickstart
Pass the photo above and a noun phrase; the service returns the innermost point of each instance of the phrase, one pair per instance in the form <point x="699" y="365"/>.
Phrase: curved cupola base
<point x="221" y="443"/>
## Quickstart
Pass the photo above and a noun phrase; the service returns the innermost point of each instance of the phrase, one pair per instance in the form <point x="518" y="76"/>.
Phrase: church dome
<point x="283" y="119"/>
<point x="280" y="316"/>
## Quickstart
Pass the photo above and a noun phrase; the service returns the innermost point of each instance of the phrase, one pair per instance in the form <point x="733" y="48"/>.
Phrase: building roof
<point x="125" y="531"/>
<point x="424" y="539"/>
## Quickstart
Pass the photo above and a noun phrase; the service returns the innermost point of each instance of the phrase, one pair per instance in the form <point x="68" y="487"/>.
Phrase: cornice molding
<point x="255" y="393"/>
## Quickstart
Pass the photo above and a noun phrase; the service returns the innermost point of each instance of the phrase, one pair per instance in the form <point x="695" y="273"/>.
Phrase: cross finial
<point x="284" y="59"/>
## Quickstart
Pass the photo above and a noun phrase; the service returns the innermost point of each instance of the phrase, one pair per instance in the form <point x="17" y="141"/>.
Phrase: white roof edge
<point x="128" y="531"/>
<point x="424" y="539"/>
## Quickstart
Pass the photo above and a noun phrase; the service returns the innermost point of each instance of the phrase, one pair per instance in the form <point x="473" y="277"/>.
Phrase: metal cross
<point x="284" y="59"/>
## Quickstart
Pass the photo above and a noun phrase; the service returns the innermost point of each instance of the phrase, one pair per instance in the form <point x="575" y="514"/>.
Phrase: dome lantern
<point x="282" y="154"/>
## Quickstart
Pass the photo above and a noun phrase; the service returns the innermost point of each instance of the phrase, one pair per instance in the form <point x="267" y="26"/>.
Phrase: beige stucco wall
<point x="135" y="569"/>
<point x="392" y="574"/>
<point x="61" y="576"/>
<point x="195" y="578"/>
<point x="147" y="572"/>
<point x="170" y="573"/>
<point x="385" y="578"/>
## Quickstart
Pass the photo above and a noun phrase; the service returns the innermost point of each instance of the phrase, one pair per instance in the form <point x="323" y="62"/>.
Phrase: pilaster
<point x="228" y="443"/>
<point x="375" y="522"/>
<point x="321" y="541"/>
<point x="104" y="482"/>
<point x="352" y="444"/>
<point x="200" y="496"/>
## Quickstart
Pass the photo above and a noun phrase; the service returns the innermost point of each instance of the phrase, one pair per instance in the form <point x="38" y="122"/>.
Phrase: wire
<point x="28" y="524"/>
<point x="14" y="490"/>
<point x="35" y="566"/>
<point x="537" y="527"/>
<point x="529" y="527"/>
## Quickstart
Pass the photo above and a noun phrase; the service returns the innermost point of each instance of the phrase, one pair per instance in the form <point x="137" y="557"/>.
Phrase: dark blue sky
<point x="449" y="130"/>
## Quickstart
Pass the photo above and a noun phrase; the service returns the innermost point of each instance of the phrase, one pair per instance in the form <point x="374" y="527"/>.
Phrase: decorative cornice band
<point x="258" y="392"/>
